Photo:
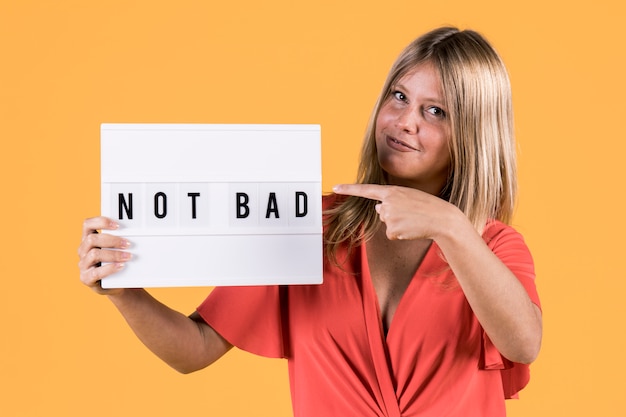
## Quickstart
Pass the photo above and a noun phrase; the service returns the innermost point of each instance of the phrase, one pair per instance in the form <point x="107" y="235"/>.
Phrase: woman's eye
<point x="436" y="111"/>
<point x="399" y="95"/>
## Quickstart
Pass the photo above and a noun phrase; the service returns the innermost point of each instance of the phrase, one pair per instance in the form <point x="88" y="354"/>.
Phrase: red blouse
<point x="435" y="360"/>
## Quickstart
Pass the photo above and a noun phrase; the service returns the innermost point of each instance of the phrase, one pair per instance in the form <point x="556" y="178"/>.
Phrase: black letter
<point x="163" y="197"/>
<point x="193" y="203"/>
<point x="304" y="203"/>
<point x="272" y="206"/>
<point x="242" y="202"/>
<point x="128" y="208"/>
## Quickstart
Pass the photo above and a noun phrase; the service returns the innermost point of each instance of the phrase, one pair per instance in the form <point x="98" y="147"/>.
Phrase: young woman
<point x="428" y="306"/>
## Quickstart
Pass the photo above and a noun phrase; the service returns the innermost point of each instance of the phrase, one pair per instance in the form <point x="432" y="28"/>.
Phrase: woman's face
<point x="413" y="132"/>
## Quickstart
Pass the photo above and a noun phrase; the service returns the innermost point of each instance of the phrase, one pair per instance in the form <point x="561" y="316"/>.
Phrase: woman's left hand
<point x="408" y="213"/>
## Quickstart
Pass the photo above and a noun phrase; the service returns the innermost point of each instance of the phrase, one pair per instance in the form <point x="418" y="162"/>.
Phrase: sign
<point x="214" y="204"/>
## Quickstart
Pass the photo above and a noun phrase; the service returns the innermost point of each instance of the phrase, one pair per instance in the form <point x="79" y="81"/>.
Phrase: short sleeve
<point x="249" y="318"/>
<point x="510" y="248"/>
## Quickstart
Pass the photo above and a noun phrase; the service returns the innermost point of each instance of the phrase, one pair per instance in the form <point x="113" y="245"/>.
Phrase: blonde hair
<point x="482" y="176"/>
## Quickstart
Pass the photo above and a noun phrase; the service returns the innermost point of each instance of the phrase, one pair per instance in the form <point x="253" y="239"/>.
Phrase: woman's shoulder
<point x="497" y="233"/>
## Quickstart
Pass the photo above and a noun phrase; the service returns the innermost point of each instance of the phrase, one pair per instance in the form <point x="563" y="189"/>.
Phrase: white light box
<point x="210" y="205"/>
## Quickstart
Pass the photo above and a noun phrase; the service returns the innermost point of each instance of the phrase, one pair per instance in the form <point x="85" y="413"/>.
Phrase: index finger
<point x="98" y="223"/>
<point x="372" y="191"/>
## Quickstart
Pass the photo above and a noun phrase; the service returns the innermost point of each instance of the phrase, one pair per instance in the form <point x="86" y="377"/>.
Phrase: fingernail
<point x="114" y="225"/>
<point x="119" y="265"/>
<point x="336" y="188"/>
<point x="124" y="244"/>
<point x="126" y="256"/>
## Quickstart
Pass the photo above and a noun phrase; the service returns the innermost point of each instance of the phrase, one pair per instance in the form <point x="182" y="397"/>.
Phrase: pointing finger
<point x="372" y="191"/>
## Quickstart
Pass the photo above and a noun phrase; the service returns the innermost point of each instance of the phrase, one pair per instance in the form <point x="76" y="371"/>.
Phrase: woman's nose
<point x="408" y="120"/>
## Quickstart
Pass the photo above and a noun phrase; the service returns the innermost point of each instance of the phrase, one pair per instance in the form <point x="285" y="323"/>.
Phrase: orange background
<point x="67" y="66"/>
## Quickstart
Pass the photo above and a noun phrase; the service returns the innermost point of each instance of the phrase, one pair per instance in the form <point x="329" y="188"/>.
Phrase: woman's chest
<point x="390" y="267"/>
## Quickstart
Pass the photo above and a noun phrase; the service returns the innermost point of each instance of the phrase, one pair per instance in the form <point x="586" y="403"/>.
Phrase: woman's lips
<point x="400" y="145"/>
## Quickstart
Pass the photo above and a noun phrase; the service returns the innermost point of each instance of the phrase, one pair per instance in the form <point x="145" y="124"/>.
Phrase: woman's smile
<point x="400" y="145"/>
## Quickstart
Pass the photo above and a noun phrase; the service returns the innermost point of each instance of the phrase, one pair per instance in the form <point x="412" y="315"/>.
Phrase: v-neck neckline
<point x="367" y="276"/>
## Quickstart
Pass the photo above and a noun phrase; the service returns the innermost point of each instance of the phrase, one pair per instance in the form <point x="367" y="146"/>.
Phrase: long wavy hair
<point x="482" y="179"/>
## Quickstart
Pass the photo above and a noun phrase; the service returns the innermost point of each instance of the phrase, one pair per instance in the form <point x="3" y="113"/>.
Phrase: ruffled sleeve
<point x="510" y="248"/>
<point x="249" y="318"/>
<point x="515" y="376"/>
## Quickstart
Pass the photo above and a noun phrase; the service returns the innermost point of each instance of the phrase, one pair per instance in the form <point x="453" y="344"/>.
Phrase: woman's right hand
<point x="185" y="343"/>
<point x="101" y="254"/>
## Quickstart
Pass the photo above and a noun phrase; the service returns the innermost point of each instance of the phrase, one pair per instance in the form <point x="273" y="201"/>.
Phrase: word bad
<point x="243" y="207"/>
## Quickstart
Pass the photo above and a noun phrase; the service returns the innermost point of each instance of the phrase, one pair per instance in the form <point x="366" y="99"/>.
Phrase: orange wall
<point x="67" y="66"/>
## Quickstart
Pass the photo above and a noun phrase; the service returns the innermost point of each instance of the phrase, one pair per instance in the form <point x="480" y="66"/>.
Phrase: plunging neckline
<point x="385" y="331"/>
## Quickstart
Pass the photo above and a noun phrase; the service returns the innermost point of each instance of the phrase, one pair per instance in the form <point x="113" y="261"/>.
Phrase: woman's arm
<point x="499" y="300"/>
<point x="501" y="304"/>
<point x="185" y="343"/>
